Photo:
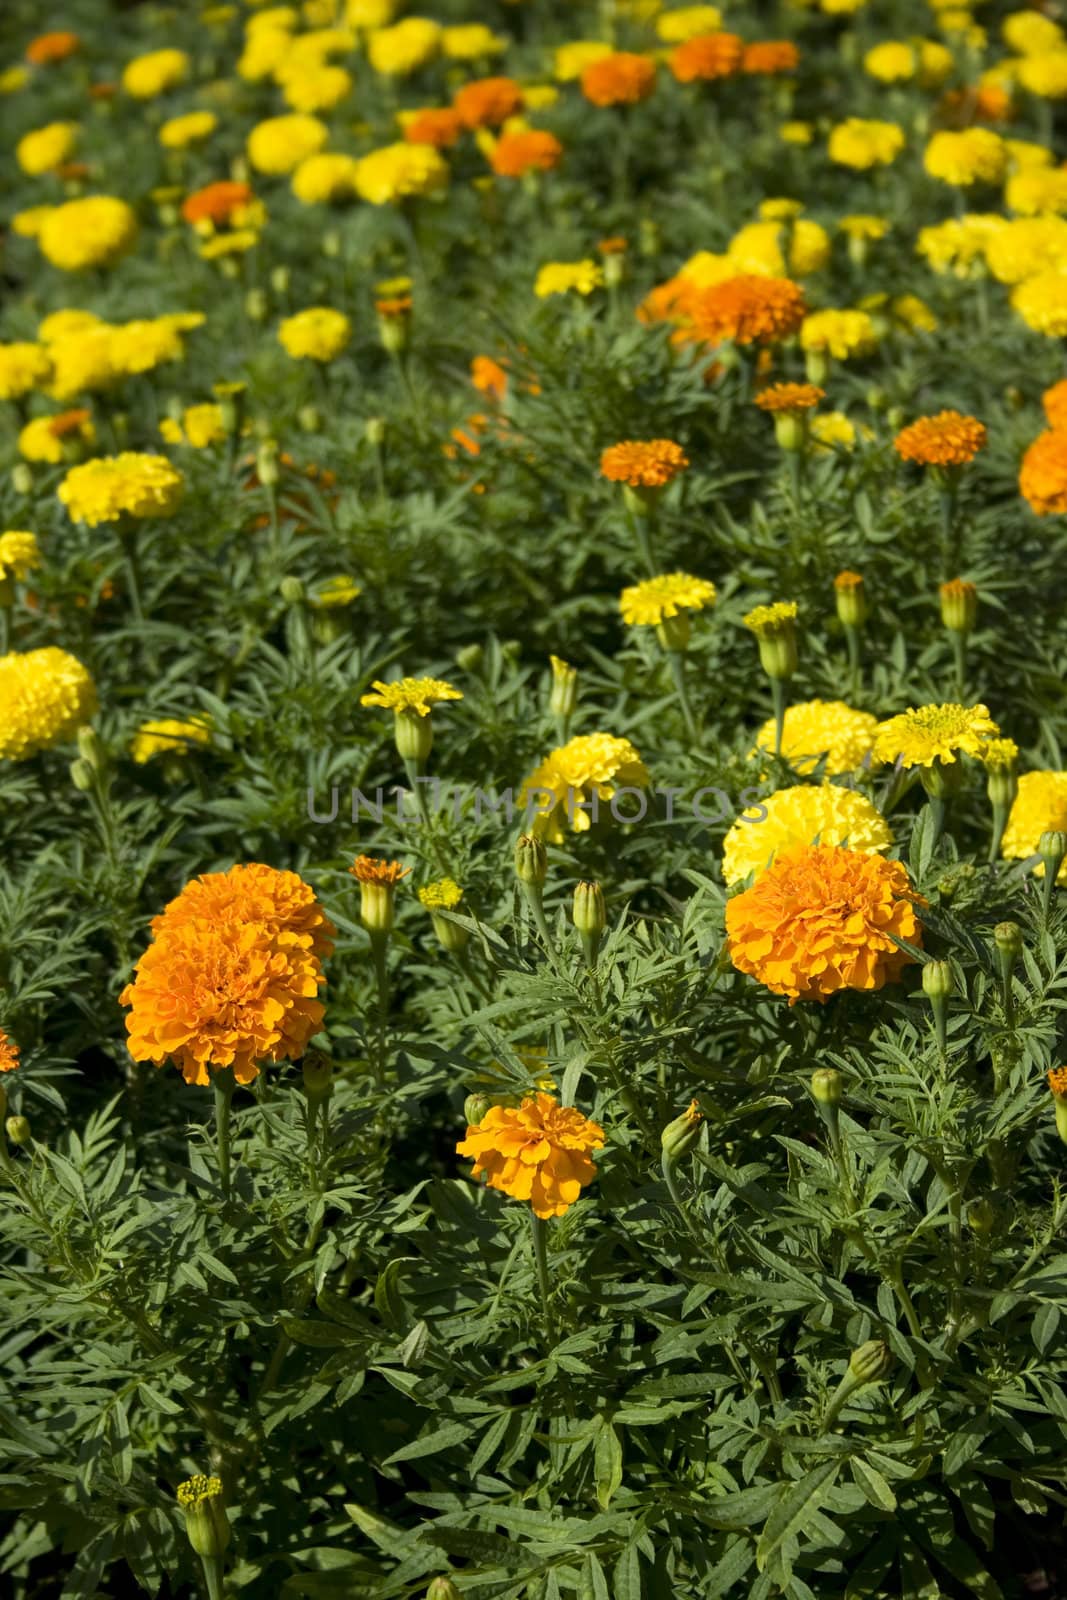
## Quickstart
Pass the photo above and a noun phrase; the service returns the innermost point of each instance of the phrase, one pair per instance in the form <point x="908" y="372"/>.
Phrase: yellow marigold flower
<point x="23" y="367"/>
<point x="278" y="145"/>
<point x="948" y="439"/>
<point x="977" y="155"/>
<point x="200" y="426"/>
<point x="647" y="603"/>
<point x="177" y="133"/>
<point x="264" y="51"/>
<point x="28" y="224"/>
<point x="958" y="246"/>
<point x="572" y="59"/>
<point x="796" y="132"/>
<point x="318" y="334"/>
<point x="168" y="737"/>
<point x="1027" y="246"/>
<point x="863" y="226"/>
<point x="45" y="697"/>
<point x="334" y="592"/>
<point x="780" y="210"/>
<point x="838" y="333"/>
<point x="47" y="148"/>
<point x="252" y="892"/>
<point x="1042" y="303"/>
<point x="9" y="1053"/>
<point x="61" y="324"/>
<point x="820" y="920"/>
<point x="366" y="869"/>
<point x="803" y="815"/>
<point x="1026" y="156"/>
<point x="687" y="22"/>
<point x="919" y="737"/>
<point x="582" y="768"/>
<point x="152" y="74"/>
<point x="319" y="90"/>
<point x="538" y="1151"/>
<point x="471" y="41"/>
<point x="443" y="895"/>
<point x="325" y="178"/>
<point x="93" y="232"/>
<point x="1030" y="34"/>
<point x="998" y="754"/>
<point x="891" y="62"/>
<point x="789" y="398"/>
<point x="560" y="277"/>
<point x="765" y="621"/>
<point x="826" y="731"/>
<point x="142" y="345"/>
<point x="231" y="994"/>
<point x="19" y="554"/>
<point x="1037" y="191"/>
<point x="399" y="172"/>
<point x="81" y="363"/>
<point x="12" y="79"/>
<point x="748" y="310"/>
<point x="131" y="484"/>
<point x="1039" y="807"/>
<point x="758" y="248"/>
<point x="235" y="243"/>
<point x="371" y="13"/>
<point x="413" y="695"/>
<point x="397" y="51"/>
<point x="1043" y="473"/>
<point x="643" y="463"/>
<point x="1045" y="75"/>
<point x="910" y="312"/>
<point x="835" y="430"/>
<point x="860" y="143"/>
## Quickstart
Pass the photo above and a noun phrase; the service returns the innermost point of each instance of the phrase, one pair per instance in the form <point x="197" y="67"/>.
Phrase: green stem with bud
<point x="539" y="1234"/>
<point x="677" y="661"/>
<point x="778" y="697"/>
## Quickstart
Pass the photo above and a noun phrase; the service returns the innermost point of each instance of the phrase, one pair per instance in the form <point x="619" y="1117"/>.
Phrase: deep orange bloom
<point x="621" y="79"/>
<point x="1054" y="401"/>
<point x="49" y="47"/>
<point x="395" y="308"/>
<point x="708" y="56"/>
<point x="490" y="378"/>
<point x="529" y="151"/>
<point x="65" y="422"/>
<point x="948" y="440"/>
<point x="790" y="397"/>
<point x="770" y="57"/>
<point x="615" y="246"/>
<point x="438" y="127"/>
<point x="538" y="1151"/>
<point x="818" y="921"/>
<point x="1057" y="1080"/>
<point x="1043" y="474"/>
<point x="9" y="1053"/>
<point x="487" y="102"/>
<point x="962" y="108"/>
<point x="749" y="310"/>
<point x="367" y="869"/>
<point x="643" y="463"/>
<point x="216" y="202"/>
<point x="280" y="901"/>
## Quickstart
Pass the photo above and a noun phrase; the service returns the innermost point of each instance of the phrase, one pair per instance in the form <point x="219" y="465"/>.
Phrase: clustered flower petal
<point x="418" y="695"/>
<point x="650" y="601"/>
<point x="592" y="765"/>
<point x="643" y="463"/>
<point x="537" y="1151"/>
<point x="45" y="697"/>
<point x="920" y="737"/>
<point x="131" y="484"/>
<point x="949" y="439"/>
<point x="806" y="814"/>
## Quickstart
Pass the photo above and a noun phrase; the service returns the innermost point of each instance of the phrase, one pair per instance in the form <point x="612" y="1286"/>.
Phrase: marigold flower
<point x="840" y="334"/>
<point x="443" y="895"/>
<point x="366" y="869"/>
<point x="131" y="484"/>
<point x="977" y="155"/>
<point x="593" y="764"/>
<point x="144" y="344"/>
<point x="199" y="426"/>
<point x="413" y="695"/>
<point x="531" y="150"/>
<point x="19" y="554"/>
<point x="93" y="232"/>
<point x="706" y="57"/>
<point x="1045" y="75"/>
<point x="152" y="74"/>
<point x="1043" y="473"/>
<point x="748" y="309"/>
<point x="762" y="247"/>
<point x="9" y="1053"/>
<point x="278" y="145"/>
<point x="649" y="602"/>
<point x="1041" y="301"/>
<point x="487" y="102"/>
<point x="178" y="133"/>
<point x="46" y="148"/>
<point x="400" y="172"/>
<point x="803" y="815"/>
<point x="23" y="367"/>
<point x="398" y="51"/>
<point x="1054" y="403"/>
<point x="675" y="26"/>
<point x="1040" y="806"/>
<point x="538" y="1151"/>
<point x="619" y="79"/>
<point x="822" y="731"/>
<point x="440" y="128"/>
<point x="643" y="464"/>
<point x="921" y="736"/>
<point x="769" y="58"/>
<point x="948" y="439"/>
<point x="861" y="144"/>
<point x="217" y="202"/>
<point x="335" y="592"/>
<point x="789" y="397"/>
<point x="765" y="621"/>
<point x="320" y="88"/>
<point x="49" y="48"/>
<point x="1057" y="1081"/>
<point x="819" y="920"/>
<point x="45" y="697"/>
<point x="169" y="736"/>
<point x="251" y="892"/>
<point x="317" y="334"/>
<point x="561" y="277"/>
<point x="471" y="41"/>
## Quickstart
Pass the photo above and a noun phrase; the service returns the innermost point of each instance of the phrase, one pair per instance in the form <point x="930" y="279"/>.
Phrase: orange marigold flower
<point x="281" y="901"/>
<point x="538" y="1151"/>
<point x="1043" y="474"/>
<point x="490" y="378"/>
<point x="367" y="869"/>
<point x="1054" y="401"/>
<point x="948" y="440"/>
<point x="643" y="463"/>
<point x="706" y="57"/>
<point x="790" y="397"/>
<point x="819" y="920"/>
<point x="1057" y="1080"/>
<point x="65" y="422"/>
<point x="615" y="246"/>
<point x="216" y="202"/>
<point x="487" y="102"/>
<point x="532" y="150"/>
<point x="770" y="57"/>
<point x="9" y="1053"/>
<point x="621" y="79"/>
<point x="961" y="108"/>
<point x="749" y="310"/>
<point x="440" y="128"/>
<point x="223" y="994"/>
<point x="49" y="47"/>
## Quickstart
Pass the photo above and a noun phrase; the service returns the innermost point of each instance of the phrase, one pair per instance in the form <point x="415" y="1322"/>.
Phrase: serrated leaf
<point x="875" y="1488"/>
<point x="607" y="1463"/>
<point x="799" y="1502"/>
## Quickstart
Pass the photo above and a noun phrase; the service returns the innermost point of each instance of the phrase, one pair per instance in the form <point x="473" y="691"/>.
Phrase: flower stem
<point x="779" y="698"/>
<point x="677" y="661"/>
<point x="670" y="1177"/>
<point x="539" y="1234"/>
<point x="212" y="1566"/>
<point x="223" y="1085"/>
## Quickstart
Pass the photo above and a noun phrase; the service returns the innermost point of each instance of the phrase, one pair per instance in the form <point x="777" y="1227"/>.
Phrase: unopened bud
<point x="443" y="1589"/>
<point x="18" y="1130"/>
<point x="279" y="279"/>
<point x="871" y="1361"/>
<point x="469" y="659"/>
<point x="317" y="1071"/>
<point x="850" y="598"/>
<point x="827" y="1086"/>
<point x="1008" y="938"/>
<point x="206" y="1522"/>
<point x="255" y="304"/>
<point x="331" y="244"/>
<point x="1052" y="847"/>
<point x="959" y="606"/>
<point x="531" y="860"/>
<point x="679" y="1136"/>
<point x="413" y="735"/>
<point x="309" y="419"/>
<point x="590" y="915"/>
<point x="22" y="478"/>
<point x="291" y="590"/>
<point x="564" y="696"/>
<point x="981" y="1217"/>
<point x="374" y="430"/>
<point x="90" y="747"/>
<point x="267" y="469"/>
<point x="475" y="1107"/>
<point x="938" y="982"/>
<point x="82" y="775"/>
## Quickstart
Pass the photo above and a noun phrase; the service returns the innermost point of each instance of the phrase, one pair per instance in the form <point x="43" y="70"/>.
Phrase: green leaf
<point x="321" y="1335"/>
<point x="799" y="1502"/>
<point x="627" y="1575"/>
<point x="873" y="1485"/>
<point x="387" y="1301"/>
<point x="428" y="1444"/>
<point x="607" y="1463"/>
<point x="1044" y="1327"/>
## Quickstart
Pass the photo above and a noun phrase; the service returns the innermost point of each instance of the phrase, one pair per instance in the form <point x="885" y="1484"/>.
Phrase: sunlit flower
<point x="644" y="463"/>
<point x="562" y="787"/>
<point x="278" y="145"/>
<point x="471" y="41"/>
<point x="748" y="309"/>
<point x="803" y="815"/>
<point x="531" y="150"/>
<point x="487" y="102"/>
<point x="762" y="247"/>
<point x="861" y="144"/>
<point x="948" y="439"/>
<point x="400" y="172"/>
<point x="976" y="155"/>
<point x="958" y="245"/>
<point x="23" y="368"/>
<point x="1042" y="303"/>
<point x="402" y="49"/>
<point x="619" y="79"/>
<point x="93" y="232"/>
<point x="217" y="203"/>
<point x="46" y="148"/>
<point x="253" y="892"/>
<point x="1027" y="246"/>
<point x="436" y="126"/>
<point x="49" y="48"/>
<point x="1043" y="473"/>
<point x="537" y="1151"/>
<point x="788" y="398"/>
<point x="687" y="22"/>
<point x="19" y="554"/>
<point x="199" y="426"/>
<point x="414" y="695"/>
<point x="178" y="133"/>
<point x="649" y="602"/>
<point x="706" y="57"/>
<point x="152" y="74"/>
<point x="1054" y="403"/>
<point x="920" y="737"/>
<point x="1040" y="806"/>
<point x="770" y="58"/>
<point x="840" y="334"/>
<point x="563" y="277"/>
<point x="9" y="1053"/>
<point x="317" y="334"/>
<point x="131" y="484"/>
<point x="822" y="731"/>
<point x="45" y="697"/>
<point x="823" y="919"/>
<point x="169" y="736"/>
<point x="335" y="592"/>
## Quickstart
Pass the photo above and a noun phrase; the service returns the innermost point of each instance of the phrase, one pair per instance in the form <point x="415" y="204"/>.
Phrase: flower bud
<point x="850" y="598"/>
<point x="475" y="1107"/>
<point x="827" y="1085"/>
<point x="279" y="280"/>
<point x="649" y="238"/>
<point x="331" y="244"/>
<point x="291" y="590"/>
<point x="959" y="606"/>
<point x="817" y="367"/>
<point x="374" y="430"/>
<point x="267" y="469"/>
<point x="18" y="1130"/>
<point x="90" y="747"/>
<point x="531" y="860"/>
<point x="679" y="1136"/>
<point x="443" y="1589"/>
<point x="673" y="632"/>
<point x="775" y="627"/>
<point x="791" y="430"/>
<point x="469" y="659"/>
<point x="1008" y="938"/>
<point x="413" y="735"/>
<point x="870" y="1362"/>
<point x="206" y="1522"/>
<point x="255" y="304"/>
<point x="981" y="1216"/>
<point x="22" y="478"/>
<point x="938" y="982"/>
<point x="309" y="419"/>
<point x="317" y="1071"/>
<point x="1052" y="847"/>
<point x="82" y="775"/>
<point x="564" y="696"/>
<point x="590" y="916"/>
